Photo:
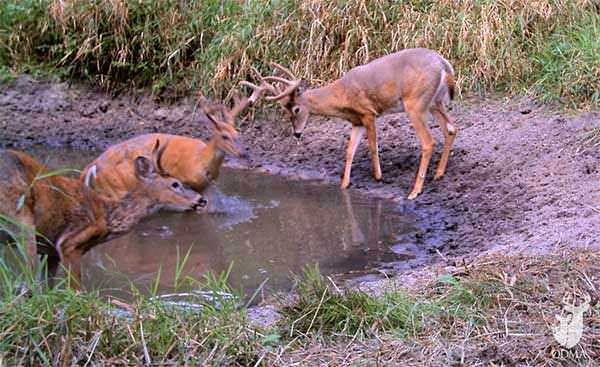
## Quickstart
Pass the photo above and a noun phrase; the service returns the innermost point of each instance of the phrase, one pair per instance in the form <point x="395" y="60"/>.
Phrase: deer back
<point x="184" y="158"/>
<point x="51" y="202"/>
<point x="407" y="74"/>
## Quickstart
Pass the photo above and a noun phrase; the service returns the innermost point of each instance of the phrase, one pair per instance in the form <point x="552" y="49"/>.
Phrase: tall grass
<point x="549" y="48"/>
<point x="57" y="326"/>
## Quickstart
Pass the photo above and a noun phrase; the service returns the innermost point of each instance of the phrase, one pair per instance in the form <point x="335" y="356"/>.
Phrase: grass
<point x="497" y="309"/>
<point x="48" y="326"/>
<point x="549" y="49"/>
<point x="322" y="308"/>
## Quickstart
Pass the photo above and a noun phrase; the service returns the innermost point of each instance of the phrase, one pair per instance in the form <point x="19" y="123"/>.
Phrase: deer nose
<point x="298" y="135"/>
<point x="200" y="204"/>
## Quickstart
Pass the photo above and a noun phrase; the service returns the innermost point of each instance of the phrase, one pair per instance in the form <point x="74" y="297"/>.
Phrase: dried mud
<point x="518" y="176"/>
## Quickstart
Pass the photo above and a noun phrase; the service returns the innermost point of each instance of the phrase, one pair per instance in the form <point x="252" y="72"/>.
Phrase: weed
<point x="548" y="48"/>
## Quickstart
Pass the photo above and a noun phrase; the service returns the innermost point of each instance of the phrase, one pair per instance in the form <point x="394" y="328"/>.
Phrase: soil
<point x="519" y="177"/>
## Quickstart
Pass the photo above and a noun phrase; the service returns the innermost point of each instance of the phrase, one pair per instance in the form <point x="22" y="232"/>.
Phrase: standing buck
<point x="418" y="81"/>
<point x="190" y="160"/>
<point x="69" y="218"/>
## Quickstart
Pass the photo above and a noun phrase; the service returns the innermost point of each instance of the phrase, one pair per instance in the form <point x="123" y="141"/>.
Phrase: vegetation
<point x="548" y="48"/>
<point x="498" y="310"/>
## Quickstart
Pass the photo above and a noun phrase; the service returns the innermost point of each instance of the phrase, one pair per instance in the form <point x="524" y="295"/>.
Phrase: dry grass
<point x="495" y="310"/>
<point x="548" y="48"/>
<point x="498" y="310"/>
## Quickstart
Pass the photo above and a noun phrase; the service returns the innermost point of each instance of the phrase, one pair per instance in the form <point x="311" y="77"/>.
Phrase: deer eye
<point x="296" y="110"/>
<point x="175" y="185"/>
<point x="225" y="137"/>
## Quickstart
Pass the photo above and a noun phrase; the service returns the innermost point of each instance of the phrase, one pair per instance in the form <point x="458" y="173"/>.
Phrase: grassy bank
<point x="548" y="48"/>
<point x="498" y="310"/>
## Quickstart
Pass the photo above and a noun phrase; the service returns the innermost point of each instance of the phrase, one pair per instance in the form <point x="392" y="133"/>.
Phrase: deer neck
<point x="214" y="157"/>
<point x="330" y="100"/>
<point x="123" y="214"/>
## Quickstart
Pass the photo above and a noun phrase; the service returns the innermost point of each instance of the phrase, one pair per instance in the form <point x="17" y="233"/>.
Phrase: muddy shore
<point x="518" y="176"/>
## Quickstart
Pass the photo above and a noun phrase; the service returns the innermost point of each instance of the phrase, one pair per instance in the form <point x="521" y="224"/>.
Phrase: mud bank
<point x="518" y="177"/>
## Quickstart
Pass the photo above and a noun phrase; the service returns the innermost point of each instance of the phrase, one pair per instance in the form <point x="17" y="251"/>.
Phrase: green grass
<point x="488" y="307"/>
<point x="321" y="308"/>
<point x="570" y="65"/>
<point x="548" y="48"/>
<point x="43" y="326"/>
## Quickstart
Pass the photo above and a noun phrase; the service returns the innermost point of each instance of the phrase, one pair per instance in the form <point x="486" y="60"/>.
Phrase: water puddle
<point x="265" y="227"/>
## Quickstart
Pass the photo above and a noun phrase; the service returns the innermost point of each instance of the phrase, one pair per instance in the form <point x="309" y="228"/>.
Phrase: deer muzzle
<point x="200" y="205"/>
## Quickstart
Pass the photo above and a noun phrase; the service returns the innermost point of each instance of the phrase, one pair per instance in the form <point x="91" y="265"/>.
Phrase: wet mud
<point x="518" y="178"/>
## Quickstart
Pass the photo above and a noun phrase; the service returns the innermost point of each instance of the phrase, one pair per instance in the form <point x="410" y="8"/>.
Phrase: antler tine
<point x="210" y="109"/>
<point x="157" y="153"/>
<point x="292" y="86"/>
<point x="284" y="70"/>
<point x="238" y="106"/>
<point x="257" y="90"/>
<point x="241" y="104"/>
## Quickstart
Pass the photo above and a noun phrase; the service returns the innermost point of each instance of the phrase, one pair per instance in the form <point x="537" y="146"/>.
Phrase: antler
<point x="157" y="153"/>
<point x="240" y="104"/>
<point x="228" y="115"/>
<point x="293" y="83"/>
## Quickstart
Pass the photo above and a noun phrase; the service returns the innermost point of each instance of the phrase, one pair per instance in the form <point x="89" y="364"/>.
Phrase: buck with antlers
<point x="190" y="160"/>
<point x="418" y="81"/>
<point x="67" y="218"/>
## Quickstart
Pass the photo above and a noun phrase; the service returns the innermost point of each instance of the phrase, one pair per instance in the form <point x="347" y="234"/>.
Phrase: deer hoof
<point x="344" y="185"/>
<point x="438" y="175"/>
<point x="413" y="195"/>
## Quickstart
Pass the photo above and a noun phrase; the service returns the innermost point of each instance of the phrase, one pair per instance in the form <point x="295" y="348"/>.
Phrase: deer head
<point x="222" y="119"/>
<point x="290" y="98"/>
<point x="168" y="192"/>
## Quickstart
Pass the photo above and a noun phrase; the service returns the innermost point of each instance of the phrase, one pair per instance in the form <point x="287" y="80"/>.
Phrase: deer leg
<point x="419" y="122"/>
<point x="52" y="266"/>
<point x="71" y="249"/>
<point x="72" y="264"/>
<point x="450" y="131"/>
<point x="355" y="136"/>
<point x="369" y="124"/>
<point x="26" y="222"/>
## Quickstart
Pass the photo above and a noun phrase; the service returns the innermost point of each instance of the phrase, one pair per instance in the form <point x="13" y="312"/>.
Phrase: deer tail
<point x="451" y="85"/>
<point x="449" y="77"/>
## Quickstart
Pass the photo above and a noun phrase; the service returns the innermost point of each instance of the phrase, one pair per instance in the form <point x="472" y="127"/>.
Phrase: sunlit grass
<point x="547" y="48"/>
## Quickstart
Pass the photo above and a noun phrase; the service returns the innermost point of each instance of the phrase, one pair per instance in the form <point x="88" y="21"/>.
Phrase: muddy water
<point x="264" y="227"/>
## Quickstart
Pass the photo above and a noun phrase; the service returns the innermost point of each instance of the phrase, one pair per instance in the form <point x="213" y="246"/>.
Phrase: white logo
<point x="570" y="327"/>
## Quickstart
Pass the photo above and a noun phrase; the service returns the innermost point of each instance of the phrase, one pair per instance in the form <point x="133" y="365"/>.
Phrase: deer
<point x="416" y="81"/>
<point x="195" y="163"/>
<point x="64" y="217"/>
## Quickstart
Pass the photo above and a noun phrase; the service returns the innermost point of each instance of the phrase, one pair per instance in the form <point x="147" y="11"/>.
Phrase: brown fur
<point x="414" y="80"/>
<point x="69" y="217"/>
<point x="192" y="161"/>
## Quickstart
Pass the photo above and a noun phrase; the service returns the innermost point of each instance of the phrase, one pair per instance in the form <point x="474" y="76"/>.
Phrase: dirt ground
<point x="518" y="176"/>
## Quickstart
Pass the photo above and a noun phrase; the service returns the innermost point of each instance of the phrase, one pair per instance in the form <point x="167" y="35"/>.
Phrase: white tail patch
<point x="441" y="94"/>
<point x="90" y="174"/>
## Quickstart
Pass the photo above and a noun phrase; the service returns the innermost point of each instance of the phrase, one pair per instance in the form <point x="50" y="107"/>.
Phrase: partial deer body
<point x="190" y="160"/>
<point x="418" y="81"/>
<point x="68" y="218"/>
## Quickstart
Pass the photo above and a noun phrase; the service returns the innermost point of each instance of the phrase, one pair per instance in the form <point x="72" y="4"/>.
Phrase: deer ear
<point x="90" y="176"/>
<point x="144" y="168"/>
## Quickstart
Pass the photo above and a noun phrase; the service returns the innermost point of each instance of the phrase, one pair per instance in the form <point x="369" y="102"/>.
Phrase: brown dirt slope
<point x="518" y="176"/>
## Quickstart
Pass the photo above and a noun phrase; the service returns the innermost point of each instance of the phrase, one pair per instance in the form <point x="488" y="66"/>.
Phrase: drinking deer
<point x="418" y="81"/>
<point x="190" y="160"/>
<point x="69" y="218"/>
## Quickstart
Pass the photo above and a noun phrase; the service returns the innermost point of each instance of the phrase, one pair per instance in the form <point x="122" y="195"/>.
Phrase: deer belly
<point x="397" y="108"/>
